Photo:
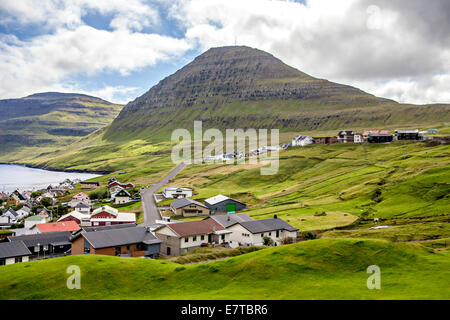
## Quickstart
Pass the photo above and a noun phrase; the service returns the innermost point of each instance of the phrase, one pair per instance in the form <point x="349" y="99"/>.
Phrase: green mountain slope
<point x="318" y="269"/>
<point x="241" y="87"/>
<point x="51" y="118"/>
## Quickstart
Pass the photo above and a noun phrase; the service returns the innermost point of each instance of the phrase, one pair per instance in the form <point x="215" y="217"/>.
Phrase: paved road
<point x="151" y="213"/>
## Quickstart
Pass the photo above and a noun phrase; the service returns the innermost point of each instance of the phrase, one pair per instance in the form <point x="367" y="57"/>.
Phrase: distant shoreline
<point x="55" y="170"/>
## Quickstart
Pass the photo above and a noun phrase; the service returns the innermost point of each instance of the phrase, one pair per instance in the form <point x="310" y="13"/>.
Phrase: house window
<point x="202" y="237"/>
<point x="278" y="233"/>
<point x="18" y="259"/>
<point x="194" y="238"/>
<point x="36" y="249"/>
<point x="118" y="251"/>
<point x="128" y="248"/>
<point x="186" y="239"/>
<point x="262" y="235"/>
<point x="223" y="237"/>
<point x="270" y="233"/>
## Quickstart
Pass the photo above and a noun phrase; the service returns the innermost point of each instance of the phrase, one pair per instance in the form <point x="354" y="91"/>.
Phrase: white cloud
<point x="46" y="61"/>
<point x="358" y="42"/>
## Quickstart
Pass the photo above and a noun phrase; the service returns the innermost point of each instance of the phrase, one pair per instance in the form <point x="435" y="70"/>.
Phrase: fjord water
<point x="19" y="177"/>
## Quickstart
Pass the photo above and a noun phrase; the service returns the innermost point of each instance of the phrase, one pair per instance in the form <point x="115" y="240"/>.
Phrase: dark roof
<point x="184" y="202"/>
<point x="227" y="220"/>
<point x="119" y="237"/>
<point x="46" y="238"/>
<point x="123" y="193"/>
<point x="91" y="182"/>
<point x="264" y="225"/>
<point x="81" y="204"/>
<point x="13" y="249"/>
<point x="193" y="228"/>
<point x="13" y="212"/>
<point x="379" y="135"/>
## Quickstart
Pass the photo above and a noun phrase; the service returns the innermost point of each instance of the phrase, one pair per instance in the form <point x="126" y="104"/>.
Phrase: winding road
<point x="151" y="213"/>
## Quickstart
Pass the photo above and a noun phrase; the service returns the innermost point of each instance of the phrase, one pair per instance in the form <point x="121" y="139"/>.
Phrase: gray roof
<point x="184" y="202"/>
<point x="45" y="238"/>
<point x="226" y="220"/>
<point x="13" y="249"/>
<point x="116" y="226"/>
<point x="264" y="225"/>
<point x="12" y="211"/>
<point x="407" y="131"/>
<point x="120" y="237"/>
<point x="81" y="204"/>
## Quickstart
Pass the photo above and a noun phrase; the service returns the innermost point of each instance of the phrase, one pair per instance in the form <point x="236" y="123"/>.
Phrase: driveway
<point x="151" y="213"/>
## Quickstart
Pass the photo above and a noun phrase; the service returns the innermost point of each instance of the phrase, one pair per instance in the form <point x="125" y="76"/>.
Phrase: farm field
<point x="317" y="269"/>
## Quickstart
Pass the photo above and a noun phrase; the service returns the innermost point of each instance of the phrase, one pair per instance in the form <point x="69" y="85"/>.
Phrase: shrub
<point x="267" y="241"/>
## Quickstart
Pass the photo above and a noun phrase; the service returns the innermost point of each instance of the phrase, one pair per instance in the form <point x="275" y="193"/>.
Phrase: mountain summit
<point x="241" y="87"/>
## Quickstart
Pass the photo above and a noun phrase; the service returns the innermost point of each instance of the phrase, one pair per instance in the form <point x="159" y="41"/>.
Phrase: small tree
<point x="267" y="241"/>
<point x="46" y="202"/>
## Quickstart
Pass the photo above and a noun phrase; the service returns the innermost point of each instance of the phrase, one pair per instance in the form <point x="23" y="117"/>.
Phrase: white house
<point x="252" y="232"/>
<point x="175" y="192"/>
<point x="302" y="141"/>
<point x="11" y="215"/>
<point x="13" y="252"/>
<point x="358" y="138"/>
<point x="83" y="207"/>
<point x="121" y="196"/>
<point x="23" y="212"/>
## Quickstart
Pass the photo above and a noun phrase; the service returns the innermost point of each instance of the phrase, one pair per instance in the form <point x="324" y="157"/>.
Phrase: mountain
<point x="242" y="87"/>
<point x="51" y="118"/>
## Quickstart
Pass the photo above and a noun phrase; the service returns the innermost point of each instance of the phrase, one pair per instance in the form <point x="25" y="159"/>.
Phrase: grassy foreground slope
<point x="318" y="269"/>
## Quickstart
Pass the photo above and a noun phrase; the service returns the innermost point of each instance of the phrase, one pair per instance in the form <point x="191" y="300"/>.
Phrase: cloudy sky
<point x="118" y="49"/>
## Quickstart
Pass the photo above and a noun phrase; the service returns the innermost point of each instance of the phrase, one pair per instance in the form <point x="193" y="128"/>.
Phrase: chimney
<point x="275" y="216"/>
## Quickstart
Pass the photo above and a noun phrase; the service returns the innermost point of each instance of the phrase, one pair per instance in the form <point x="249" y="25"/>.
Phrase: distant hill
<point x="51" y="118"/>
<point x="241" y="87"/>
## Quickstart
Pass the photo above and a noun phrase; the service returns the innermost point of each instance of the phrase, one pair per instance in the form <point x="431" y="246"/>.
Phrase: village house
<point x="346" y="137"/>
<point x="89" y="185"/>
<point x="121" y="196"/>
<point x="10" y="216"/>
<point x="325" y="140"/>
<point x="115" y="185"/>
<point x="82" y="207"/>
<point x="367" y="132"/>
<point x="379" y="137"/>
<point x="187" y="208"/>
<point x="301" y="141"/>
<point x="44" y="212"/>
<point x="358" y="138"/>
<point x="46" y="244"/>
<point x="82" y="219"/>
<point x="55" y="226"/>
<point x="79" y="197"/>
<point x="223" y="204"/>
<point x="174" y="192"/>
<point x="14" y="200"/>
<point x="24" y="212"/>
<point x="13" y="252"/>
<point x="123" y="241"/>
<point x="252" y="233"/>
<point x="106" y="215"/>
<point x="179" y="238"/>
<point x="407" y="134"/>
<point x="33" y="220"/>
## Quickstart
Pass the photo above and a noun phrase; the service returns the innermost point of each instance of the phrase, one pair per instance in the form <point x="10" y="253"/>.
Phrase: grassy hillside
<point x="50" y="120"/>
<point x="318" y="269"/>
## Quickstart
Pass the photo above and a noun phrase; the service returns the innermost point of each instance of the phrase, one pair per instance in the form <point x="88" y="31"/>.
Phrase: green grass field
<point x="317" y="269"/>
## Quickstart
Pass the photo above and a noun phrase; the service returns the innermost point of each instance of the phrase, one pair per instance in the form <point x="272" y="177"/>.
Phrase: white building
<point x="175" y="192"/>
<point x="33" y="220"/>
<point x="302" y="141"/>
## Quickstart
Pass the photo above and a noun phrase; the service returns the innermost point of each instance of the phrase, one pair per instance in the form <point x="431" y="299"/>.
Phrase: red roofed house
<point x="106" y="216"/>
<point x="181" y="237"/>
<point x="117" y="184"/>
<point x="55" y="226"/>
<point x="79" y="197"/>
